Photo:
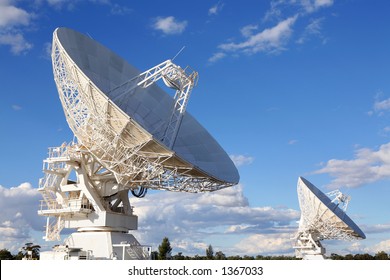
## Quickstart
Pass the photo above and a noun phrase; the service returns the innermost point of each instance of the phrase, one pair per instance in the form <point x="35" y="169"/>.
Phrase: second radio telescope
<point x="321" y="219"/>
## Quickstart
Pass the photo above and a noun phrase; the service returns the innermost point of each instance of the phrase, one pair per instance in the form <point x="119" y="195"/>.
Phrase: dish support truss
<point x="120" y="144"/>
<point x="78" y="192"/>
<point x="174" y="77"/>
<point x="317" y="223"/>
<point x="76" y="187"/>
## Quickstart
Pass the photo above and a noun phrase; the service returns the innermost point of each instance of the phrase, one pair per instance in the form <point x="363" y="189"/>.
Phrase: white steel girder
<point x="72" y="201"/>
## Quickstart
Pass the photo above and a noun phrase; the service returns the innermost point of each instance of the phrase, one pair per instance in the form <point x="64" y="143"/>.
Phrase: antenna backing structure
<point x="131" y="136"/>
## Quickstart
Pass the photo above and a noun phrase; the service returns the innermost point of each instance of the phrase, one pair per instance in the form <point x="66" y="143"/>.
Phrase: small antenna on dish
<point x="178" y="53"/>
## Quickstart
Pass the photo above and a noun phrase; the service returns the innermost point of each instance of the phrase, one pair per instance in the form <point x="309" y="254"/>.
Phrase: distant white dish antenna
<point x="322" y="218"/>
<point x="131" y="136"/>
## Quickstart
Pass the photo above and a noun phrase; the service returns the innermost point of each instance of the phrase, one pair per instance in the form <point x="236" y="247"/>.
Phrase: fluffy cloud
<point x="216" y="9"/>
<point x="169" y="25"/>
<point x="302" y="7"/>
<point x="381" y="246"/>
<point x="190" y="220"/>
<point x="18" y="215"/>
<point x="378" y="228"/>
<point x="368" y="166"/>
<point x="312" y="29"/>
<point x="216" y="56"/>
<point x="269" y="40"/>
<point x="12" y="16"/>
<point x="17" y="42"/>
<point x="120" y="10"/>
<point x="383" y="105"/>
<point x="276" y="39"/>
<point x="357" y="247"/>
<point x="11" y="19"/>
<point x="240" y="160"/>
<point x="248" y="30"/>
<point x="313" y="5"/>
<point x="266" y="244"/>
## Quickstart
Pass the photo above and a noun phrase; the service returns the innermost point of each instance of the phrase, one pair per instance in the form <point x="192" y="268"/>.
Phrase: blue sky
<point x="288" y="87"/>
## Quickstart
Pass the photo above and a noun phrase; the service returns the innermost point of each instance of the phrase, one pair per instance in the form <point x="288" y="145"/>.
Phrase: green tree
<point x="220" y="256"/>
<point x="179" y="256"/>
<point x="154" y="255"/>
<point x="197" y="257"/>
<point x="19" y="256"/>
<point x="237" y="257"/>
<point x="165" y="249"/>
<point x="382" y="255"/>
<point x="363" y="257"/>
<point x="334" y="256"/>
<point x="6" y="255"/>
<point x="210" y="253"/>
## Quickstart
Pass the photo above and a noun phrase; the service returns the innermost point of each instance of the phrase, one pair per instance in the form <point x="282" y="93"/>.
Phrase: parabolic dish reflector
<point x="123" y="130"/>
<point x="323" y="217"/>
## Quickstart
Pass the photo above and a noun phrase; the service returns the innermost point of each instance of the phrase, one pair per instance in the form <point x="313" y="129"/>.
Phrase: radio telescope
<point x="131" y="136"/>
<point x="322" y="218"/>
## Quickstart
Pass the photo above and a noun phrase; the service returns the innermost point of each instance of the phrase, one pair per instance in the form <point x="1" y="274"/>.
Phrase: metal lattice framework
<point x="120" y="144"/>
<point x="317" y="218"/>
<point x="321" y="219"/>
<point x="94" y="189"/>
<point x="174" y="77"/>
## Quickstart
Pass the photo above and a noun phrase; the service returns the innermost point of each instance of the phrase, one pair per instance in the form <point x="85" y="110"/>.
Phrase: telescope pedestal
<point x="79" y="193"/>
<point x="98" y="244"/>
<point x="309" y="247"/>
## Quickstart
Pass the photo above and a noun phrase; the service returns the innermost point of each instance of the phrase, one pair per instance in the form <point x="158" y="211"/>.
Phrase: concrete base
<point x="98" y="245"/>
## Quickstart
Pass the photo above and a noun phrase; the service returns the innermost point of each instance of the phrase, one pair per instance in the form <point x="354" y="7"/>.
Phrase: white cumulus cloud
<point x="378" y="228"/>
<point x="12" y="19"/>
<point x="313" y="5"/>
<point x="216" y="57"/>
<point x="381" y="246"/>
<point x="275" y="39"/>
<point x="266" y="244"/>
<point x="17" y="42"/>
<point x="12" y="16"/>
<point x="383" y="105"/>
<point x="368" y="166"/>
<point x="240" y="160"/>
<point x="359" y="247"/>
<point x="248" y="30"/>
<point x="314" y="28"/>
<point x="192" y="219"/>
<point x="303" y="7"/>
<point x="169" y="25"/>
<point x="19" y="216"/>
<point x="269" y="40"/>
<point x="216" y="9"/>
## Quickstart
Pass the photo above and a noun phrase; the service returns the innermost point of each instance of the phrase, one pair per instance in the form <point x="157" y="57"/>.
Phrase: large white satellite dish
<point x="131" y="136"/>
<point x="322" y="218"/>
